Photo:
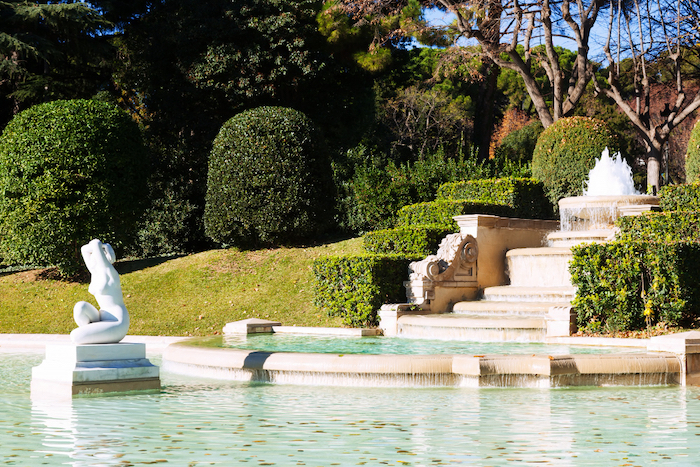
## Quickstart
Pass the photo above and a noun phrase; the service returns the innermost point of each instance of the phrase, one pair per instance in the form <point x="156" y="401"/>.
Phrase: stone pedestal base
<point x="72" y="370"/>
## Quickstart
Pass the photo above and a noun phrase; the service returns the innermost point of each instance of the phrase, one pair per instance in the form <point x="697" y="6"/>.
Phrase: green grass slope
<point x="191" y="295"/>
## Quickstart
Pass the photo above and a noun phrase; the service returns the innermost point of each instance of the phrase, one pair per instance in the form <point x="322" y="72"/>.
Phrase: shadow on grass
<point x="125" y="267"/>
<point x="37" y="273"/>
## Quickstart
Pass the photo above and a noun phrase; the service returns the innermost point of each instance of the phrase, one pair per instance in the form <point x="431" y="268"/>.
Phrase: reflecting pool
<point x="394" y="345"/>
<point x="197" y="422"/>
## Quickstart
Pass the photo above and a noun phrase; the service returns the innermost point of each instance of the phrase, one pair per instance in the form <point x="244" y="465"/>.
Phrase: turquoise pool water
<point x="198" y="422"/>
<point x="389" y="345"/>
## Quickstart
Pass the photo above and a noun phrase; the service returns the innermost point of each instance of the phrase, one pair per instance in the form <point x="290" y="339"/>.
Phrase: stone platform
<point x="72" y="370"/>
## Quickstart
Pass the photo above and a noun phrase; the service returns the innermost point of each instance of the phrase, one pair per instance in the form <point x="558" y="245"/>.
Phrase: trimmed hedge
<point x="525" y="195"/>
<point x="630" y="285"/>
<point x="413" y="240"/>
<point x="269" y="179"/>
<point x="355" y="287"/>
<point x="70" y="171"/>
<point x="680" y="197"/>
<point x="566" y="152"/>
<point x="442" y="211"/>
<point x="660" y="227"/>
<point x="692" y="156"/>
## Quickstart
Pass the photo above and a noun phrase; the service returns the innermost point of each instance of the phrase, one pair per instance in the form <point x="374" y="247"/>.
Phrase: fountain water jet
<point x="609" y="194"/>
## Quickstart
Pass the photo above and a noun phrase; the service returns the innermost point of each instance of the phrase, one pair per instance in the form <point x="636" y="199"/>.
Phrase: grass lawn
<point x="190" y="295"/>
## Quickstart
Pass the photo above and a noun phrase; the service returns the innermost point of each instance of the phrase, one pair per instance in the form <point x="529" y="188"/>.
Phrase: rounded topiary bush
<point x="70" y="171"/>
<point x="566" y="151"/>
<point x="692" y="156"/>
<point x="269" y="179"/>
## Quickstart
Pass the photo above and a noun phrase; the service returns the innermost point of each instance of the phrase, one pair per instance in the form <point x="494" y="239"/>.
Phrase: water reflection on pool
<point x="194" y="422"/>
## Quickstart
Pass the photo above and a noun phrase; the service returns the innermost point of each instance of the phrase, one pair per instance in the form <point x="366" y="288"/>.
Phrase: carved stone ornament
<point x="456" y="253"/>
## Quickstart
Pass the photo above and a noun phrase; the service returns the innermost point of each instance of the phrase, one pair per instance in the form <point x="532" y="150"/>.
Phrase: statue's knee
<point x="84" y="313"/>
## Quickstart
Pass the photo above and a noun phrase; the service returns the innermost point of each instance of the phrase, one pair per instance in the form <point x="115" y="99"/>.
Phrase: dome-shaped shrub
<point x="70" y="171"/>
<point x="692" y="156"/>
<point x="566" y="151"/>
<point x="519" y="144"/>
<point x="269" y="179"/>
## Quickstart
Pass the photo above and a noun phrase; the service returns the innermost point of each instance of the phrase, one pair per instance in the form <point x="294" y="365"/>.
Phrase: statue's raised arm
<point x="110" y="323"/>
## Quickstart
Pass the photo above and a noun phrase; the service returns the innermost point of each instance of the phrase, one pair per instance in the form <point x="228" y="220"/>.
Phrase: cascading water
<point x="611" y="176"/>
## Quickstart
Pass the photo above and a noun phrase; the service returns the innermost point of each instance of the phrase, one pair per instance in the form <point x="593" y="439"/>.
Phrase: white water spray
<point x="611" y="176"/>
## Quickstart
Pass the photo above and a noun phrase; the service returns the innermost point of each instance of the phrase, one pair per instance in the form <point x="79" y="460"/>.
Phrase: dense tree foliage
<point x="70" y="171"/>
<point x="188" y="66"/>
<point x="50" y="50"/>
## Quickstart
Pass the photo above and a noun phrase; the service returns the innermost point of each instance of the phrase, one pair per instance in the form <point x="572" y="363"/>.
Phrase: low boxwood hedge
<point x="525" y="196"/>
<point x="355" y="287"/>
<point x="443" y="210"/>
<point x="414" y="240"/>
<point x="660" y="227"/>
<point x="680" y="197"/>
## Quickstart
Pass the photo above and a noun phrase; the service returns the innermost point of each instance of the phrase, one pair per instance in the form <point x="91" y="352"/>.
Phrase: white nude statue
<point x="110" y="323"/>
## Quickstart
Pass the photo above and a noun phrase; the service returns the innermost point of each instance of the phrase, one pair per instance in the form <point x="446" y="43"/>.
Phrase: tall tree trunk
<point x="653" y="158"/>
<point x="484" y="114"/>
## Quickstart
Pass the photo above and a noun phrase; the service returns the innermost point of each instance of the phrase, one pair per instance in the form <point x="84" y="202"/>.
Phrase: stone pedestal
<point x="71" y="370"/>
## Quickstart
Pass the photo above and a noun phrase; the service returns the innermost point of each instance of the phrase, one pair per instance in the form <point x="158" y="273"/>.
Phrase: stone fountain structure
<point x="508" y="279"/>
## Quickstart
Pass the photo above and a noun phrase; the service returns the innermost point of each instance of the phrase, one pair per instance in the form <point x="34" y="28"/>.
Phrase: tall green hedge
<point x="70" y="171"/>
<point x="680" y="197"/>
<point x="566" y="152"/>
<point x="692" y="156"/>
<point x="525" y="195"/>
<point x="355" y="287"/>
<point x="269" y="179"/>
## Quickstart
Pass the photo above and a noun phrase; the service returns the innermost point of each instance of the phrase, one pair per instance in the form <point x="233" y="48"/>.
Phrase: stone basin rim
<point x="441" y="370"/>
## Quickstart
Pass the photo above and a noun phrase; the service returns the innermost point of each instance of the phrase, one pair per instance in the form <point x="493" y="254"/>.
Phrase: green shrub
<point x="692" y="156"/>
<point x="566" y="152"/>
<point x="525" y="195"/>
<point x="269" y="179"/>
<point x="627" y="285"/>
<point x="520" y="144"/>
<point x="70" y="171"/>
<point x="355" y="287"/>
<point x="376" y="191"/>
<point x="443" y="210"/>
<point x="411" y="240"/>
<point x="666" y="227"/>
<point x="680" y="197"/>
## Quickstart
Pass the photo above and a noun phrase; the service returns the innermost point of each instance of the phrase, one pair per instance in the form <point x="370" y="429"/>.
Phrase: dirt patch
<point x="50" y="274"/>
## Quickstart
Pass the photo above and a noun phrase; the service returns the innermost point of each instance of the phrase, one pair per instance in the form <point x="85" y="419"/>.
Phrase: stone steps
<point x="504" y="310"/>
<point x="539" y="267"/>
<point x="509" y="293"/>
<point x="561" y="239"/>
<point x="476" y="328"/>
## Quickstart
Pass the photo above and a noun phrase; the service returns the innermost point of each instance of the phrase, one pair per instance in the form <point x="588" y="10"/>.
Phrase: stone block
<point x="250" y="326"/>
<point x="71" y="370"/>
